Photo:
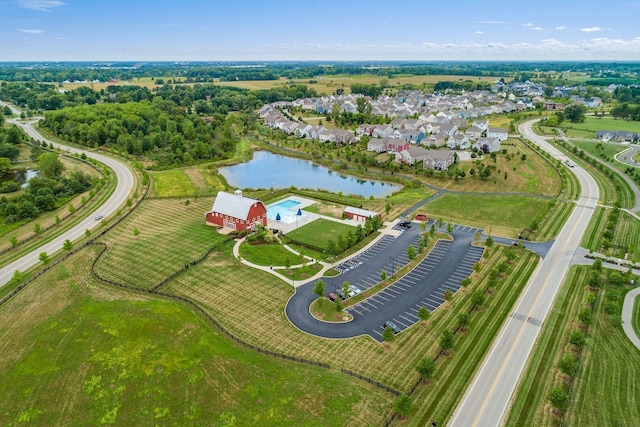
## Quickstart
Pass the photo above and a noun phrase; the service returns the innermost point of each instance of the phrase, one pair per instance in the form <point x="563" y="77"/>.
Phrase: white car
<point x="97" y="217"/>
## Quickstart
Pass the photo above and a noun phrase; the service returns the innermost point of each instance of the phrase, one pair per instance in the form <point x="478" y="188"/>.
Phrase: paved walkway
<point x="386" y="230"/>
<point x="627" y="316"/>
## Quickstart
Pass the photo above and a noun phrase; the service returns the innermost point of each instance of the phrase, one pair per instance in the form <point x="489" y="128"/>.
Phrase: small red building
<point x="236" y="212"/>
<point x="358" y="214"/>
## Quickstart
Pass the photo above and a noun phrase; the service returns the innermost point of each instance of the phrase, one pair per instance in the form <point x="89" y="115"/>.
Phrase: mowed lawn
<point x="319" y="232"/>
<point x="74" y="352"/>
<point x="505" y="215"/>
<point x="594" y="124"/>
<point x="532" y="175"/>
<point x="169" y="235"/>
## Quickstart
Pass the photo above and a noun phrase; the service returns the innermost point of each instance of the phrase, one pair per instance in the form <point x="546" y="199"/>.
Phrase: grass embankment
<point x="505" y="215"/>
<point x="597" y="226"/>
<point x="319" y="232"/>
<point x="626" y="235"/>
<point x="76" y="352"/>
<point x="157" y="240"/>
<point x="325" y="310"/>
<point x="606" y="389"/>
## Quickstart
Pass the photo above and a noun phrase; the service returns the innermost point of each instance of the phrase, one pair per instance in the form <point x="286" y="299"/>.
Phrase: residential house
<point x="395" y="145"/>
<point x="343" y="136"/>
<point x="474" y="132"/>
<point x="437" y="140"/>
<point x="432" y="127"/>
<point x="412" y="136"/>
<point x="593" y="102"/>
<point x="438" y="160"/>
<point x="383" y="131"/>
<point x="411" y="155"/>
<point x="606" y="135"/>
<point x="487" y="145"/>
<point x="553" y="106"/>
<point x="459" y="141"/>
<point x="498" y="133"/>
<point x="377" y="145"/>
<point x="626" y="136"/>
<point x="448" y="129"/>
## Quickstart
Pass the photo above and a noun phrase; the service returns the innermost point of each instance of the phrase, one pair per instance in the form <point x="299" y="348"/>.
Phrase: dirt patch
<point x="331" y="210"/>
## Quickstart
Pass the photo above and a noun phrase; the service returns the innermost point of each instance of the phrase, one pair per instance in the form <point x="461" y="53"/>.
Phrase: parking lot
<point x="448" y="263"/>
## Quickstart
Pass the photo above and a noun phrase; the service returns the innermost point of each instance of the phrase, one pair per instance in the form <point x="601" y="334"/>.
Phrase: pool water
<point x="287" y="211"/>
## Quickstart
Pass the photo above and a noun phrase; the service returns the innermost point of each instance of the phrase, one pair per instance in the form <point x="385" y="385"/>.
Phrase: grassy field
<point x="330" y="83"/>
<point x="77" y="353"/>
<point x="262" y="321"/>
<point x="533" y="175"/>
<point x="593" y="124"/>
<point x="598" y="148"/>
<point x="319" y="232"/>
<point x="170" y="235"/>
<point x="268" y="254"/>
<point x="506" y="215"/>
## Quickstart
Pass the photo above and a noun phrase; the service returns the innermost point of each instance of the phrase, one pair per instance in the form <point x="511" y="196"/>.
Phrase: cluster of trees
<point x="367" y="90"/>
<point x="160" y="129"/>
<point x="343" y="243"/>
<point x="467" y="85"/>
<point x="626" y="112"/>
<point x="45" y="192"/>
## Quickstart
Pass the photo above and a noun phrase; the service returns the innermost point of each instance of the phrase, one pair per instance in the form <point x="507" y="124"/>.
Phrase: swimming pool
<point x="287" y="211"/>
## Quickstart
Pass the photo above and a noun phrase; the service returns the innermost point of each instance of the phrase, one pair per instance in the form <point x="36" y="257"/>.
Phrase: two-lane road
<point x="125" y="183"/>
<point x="487" y="398"/>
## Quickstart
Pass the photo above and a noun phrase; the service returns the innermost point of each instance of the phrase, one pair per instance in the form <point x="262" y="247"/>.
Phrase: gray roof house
<point x="412" y="155"/>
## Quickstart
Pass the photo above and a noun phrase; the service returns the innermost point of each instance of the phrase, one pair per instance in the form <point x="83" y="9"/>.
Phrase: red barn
<point x="236" y="212"/>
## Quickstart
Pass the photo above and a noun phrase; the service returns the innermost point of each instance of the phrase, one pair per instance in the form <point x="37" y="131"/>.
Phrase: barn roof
<point x="233" y="205"/>
<point x="360" y="212"/>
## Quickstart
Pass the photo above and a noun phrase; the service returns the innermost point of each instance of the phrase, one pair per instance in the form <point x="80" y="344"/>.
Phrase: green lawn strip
<point x="64" y="226"/>
<point x="506" y="215"/>
<point x="596" y="149"/>
<point x="570" y="185"/>
<point x="553" y="221"/>
<point x="308" y="252"/>
<point x="127" y="359"/>
<point x="319" y="232"/>
<point x="454" y="373"/>
<point x="608" y="389"/>
<point x="636" y="316"/>
<point x="591" y="238"/>
<point x="530" y="407"/>
<point x="627" y="235"/>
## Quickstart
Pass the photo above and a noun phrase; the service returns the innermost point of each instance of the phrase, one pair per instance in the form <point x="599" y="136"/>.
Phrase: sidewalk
<point x="387" y="230"/>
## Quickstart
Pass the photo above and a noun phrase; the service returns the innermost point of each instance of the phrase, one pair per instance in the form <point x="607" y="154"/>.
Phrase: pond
<point x="268" y="170"/>
<point x="22" y="177"/>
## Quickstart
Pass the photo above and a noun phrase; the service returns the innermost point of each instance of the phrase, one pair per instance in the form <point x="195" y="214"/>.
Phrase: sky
<point x="325" y="30"/>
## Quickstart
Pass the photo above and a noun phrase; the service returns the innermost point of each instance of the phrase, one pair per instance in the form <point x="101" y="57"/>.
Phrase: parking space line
<point x="400" y="323"/>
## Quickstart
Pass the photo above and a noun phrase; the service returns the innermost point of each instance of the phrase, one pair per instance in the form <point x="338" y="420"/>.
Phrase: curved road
<point x="487" y="399"/>
<point x="124" y="186"/>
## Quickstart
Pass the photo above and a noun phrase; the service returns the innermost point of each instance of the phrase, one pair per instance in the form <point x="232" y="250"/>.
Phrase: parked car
<point x="405" y="224"/>
<point x="354" y="291"/>
<point x="332" y="296"/>
<point x="340" y="294"/>
<point x="393" y="326"/>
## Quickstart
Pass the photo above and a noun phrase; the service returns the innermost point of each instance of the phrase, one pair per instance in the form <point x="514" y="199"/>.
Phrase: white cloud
<point x="528" y="24"/>
<point x="479" y="32"/>
<point x="28" y="31"/>
<point x="591" y="29"/>
<point x="43" y="5"/>
<point x="537" y="28"/>
<point x="561" y="27"/>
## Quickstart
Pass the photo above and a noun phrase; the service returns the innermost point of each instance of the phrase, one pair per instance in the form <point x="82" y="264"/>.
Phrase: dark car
<point x="340" y="294"/>
<point x="393" y="326"/>
<point x="405" y="224"/>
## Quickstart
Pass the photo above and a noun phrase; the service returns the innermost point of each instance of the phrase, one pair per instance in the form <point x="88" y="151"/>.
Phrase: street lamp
<point x="393" y="267"/>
